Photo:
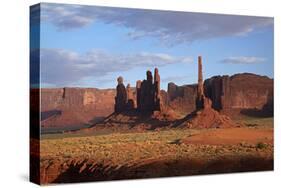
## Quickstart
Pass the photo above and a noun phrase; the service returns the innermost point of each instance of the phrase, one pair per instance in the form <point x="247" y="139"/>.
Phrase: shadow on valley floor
<point x="257" y="113"/>
<point x="97" y="119"/>
<point x="266" y="111"/>
<point x="131" y="120"/>
<point x="179" y="122"/>
<point x="86" y="171"/>
<point x="47" y="114"/>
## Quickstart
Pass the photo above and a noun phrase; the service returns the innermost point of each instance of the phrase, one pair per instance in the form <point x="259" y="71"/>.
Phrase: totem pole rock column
<point x="156" y="90"/>
<point x="202" y="102"/>
<point x="121" y="96"/>
<point x="138" y="91"/>
<point x="200" y="87"/>
<point x="130" y="104"/>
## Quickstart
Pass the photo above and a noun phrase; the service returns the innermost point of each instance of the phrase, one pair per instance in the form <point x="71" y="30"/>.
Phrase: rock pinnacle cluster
<point x="147" y="94"/>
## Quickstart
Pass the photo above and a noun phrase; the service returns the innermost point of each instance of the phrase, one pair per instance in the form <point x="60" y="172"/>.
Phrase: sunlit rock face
<point x="241" y="93"/>
<point x="228" y="93"/>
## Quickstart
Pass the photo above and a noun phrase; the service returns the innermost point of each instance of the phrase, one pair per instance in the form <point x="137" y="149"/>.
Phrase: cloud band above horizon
<point x="170" y="27"/>
<point x="61" y="67"/>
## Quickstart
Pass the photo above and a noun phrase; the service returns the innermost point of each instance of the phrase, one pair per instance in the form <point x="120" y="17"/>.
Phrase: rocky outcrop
<point x="182" y="98"/>
<point x="138" y="93"/>
<point x="147" y="95"/>
<point x="245" y="93"/>
<point x="241" y="93"/>
<point x="205" y="116"/>
<point x="74" y="108"/>
<point x="121" y="98"/>
<point x="131" y="98"/>
<point x="157" y="96"/>
<point x="74" y="98"/>
<point x="200" y="87"/>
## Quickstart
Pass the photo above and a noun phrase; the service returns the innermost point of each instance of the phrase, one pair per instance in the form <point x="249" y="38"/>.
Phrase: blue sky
<point x="88" y="46"/>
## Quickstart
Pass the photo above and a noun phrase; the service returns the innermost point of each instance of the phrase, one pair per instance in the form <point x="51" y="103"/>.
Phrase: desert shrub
<point x="261" y="145"/>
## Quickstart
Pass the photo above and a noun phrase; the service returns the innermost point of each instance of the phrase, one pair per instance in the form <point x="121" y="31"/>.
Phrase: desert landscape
<point x="221" y="125"/>
<point x="127" y="93"/>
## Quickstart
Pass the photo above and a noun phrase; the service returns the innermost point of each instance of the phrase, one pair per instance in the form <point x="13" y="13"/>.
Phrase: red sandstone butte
<point x="245" y="93"/>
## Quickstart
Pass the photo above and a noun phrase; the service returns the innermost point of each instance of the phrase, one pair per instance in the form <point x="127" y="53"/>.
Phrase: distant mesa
<point x="244" y="94"/>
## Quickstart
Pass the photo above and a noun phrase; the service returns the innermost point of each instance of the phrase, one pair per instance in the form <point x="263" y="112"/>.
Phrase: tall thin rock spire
<point x="200" y="77"/>
<point x="200" y="86"/>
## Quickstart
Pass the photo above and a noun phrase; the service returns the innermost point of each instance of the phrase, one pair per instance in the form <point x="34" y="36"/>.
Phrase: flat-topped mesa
<point x="121" y="98"/>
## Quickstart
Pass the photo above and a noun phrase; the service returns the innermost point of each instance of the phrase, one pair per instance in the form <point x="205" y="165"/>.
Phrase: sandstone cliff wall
<point x="241" y="93"/>
<point x="229" y="94"/>
<point x="73" y="98"/>
<point x="182" y="98"/>
<point x="74" y="107"/>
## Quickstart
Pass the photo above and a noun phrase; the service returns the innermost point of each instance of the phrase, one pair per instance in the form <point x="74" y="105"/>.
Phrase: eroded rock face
<point x="121" y="98"/>
<point x="205" y="116"/>
<point x="130" y="95"/>
<point x="52" y="98"/>
<point x="229" y="94"/>
<point x="89" y="98"/>
<point x="249" y="94"/>
<point x="157" y="100"/>
<point x="147" y="94"/>
<point x="208" y="118"/>
<point x="182" y="98"/>
<point x="200" y="87"/>
<point x="74" y="108"/>
<point x="138" y="93"/>
<point x="71" y="98"/>
<point x="241" y="91"/>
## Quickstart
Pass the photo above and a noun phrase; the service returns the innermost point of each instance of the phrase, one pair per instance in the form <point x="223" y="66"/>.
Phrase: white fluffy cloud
<point x="61" y="67"/>
<point x="168" y="26"/>
<point x="243" y="60"/>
